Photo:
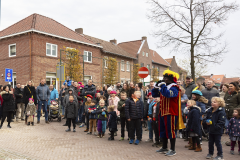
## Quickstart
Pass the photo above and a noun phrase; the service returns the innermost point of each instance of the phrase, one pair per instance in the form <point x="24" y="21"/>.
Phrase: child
<point x="113" y="100"/>
<point x="138" y="95"/>
<point x="133" y="112"/>
<point x="121" y="108"/>
<point x="98" y="95"/>
<point x="101" y="112"/>
<point x="215" y="121"/>
<point x="85" y="116"/>
<point x="234" y="130"/>
<point x="92" y="117"/>
<point x="71" y="113"/>
<point x="194" y="125"/>
<point x="112" y="121"/>
<point x="30" y="110"/>
<point x="151" y="103"/>
<point x="105" y="99"/>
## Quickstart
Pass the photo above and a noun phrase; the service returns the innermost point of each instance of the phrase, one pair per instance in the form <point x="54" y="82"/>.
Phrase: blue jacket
<point x="203" y="108"/>
<point x="69" y="83"/>
<point x="53" y="95"/>
<point x="43" y="92"/>
<point x="150" y="107"/>
<point x="194" y="123"/>
<point x="218" y="120"/>
<point x="234" y="127"/>
<point x="93" y="114"/>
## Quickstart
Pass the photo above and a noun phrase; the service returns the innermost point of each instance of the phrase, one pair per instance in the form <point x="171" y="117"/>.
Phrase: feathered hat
<point x="171" y="74"/>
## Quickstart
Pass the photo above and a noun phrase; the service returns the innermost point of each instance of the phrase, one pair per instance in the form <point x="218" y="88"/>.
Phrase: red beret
<point x="149" y="94"/>
<point x="90" y="96"/>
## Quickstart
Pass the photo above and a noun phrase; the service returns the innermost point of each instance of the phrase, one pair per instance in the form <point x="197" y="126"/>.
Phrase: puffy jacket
<point x="209" y="94"/>
<point x="69" y="83"/>
<point x="112" y="121"/>
<point x="53" y="95"/>
<point x="19" y="95"/>
<point x="71" y="110"/>
<point x="121" y="109"/>
<point x="234" y="127"/>
<point x="93" y="114"/>
<point x="43" y="92"/>
<point x="194" y="123"/>
<point x="133" y="110"/>
<point x="218" y="120"/>
<point x="8" y="102"/>
<point x="31" y="108"/>
<point x="89" y="90"/>
<point x="232" y="101"/>
<point x="189" y="89"/>
<point x="100" y="114"/>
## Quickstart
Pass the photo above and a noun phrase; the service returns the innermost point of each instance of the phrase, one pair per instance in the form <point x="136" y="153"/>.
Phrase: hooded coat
<point x="112" y="121"/>
<point x="66" y="98"/>
<point x="194" y="123"/>
<point x="71" y="110"/>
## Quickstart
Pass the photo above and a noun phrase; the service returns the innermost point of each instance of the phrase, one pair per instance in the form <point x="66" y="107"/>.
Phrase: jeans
<point x="40" y="103"/>
<point x="69" y="120"/>
<point x="135" y="124"/>
<point x="80" y="114"/>
<point x="215" y="138"/>
<point x="150" y="130"/>
<point x="226" y="123"/>
<point x="63" y="110"/>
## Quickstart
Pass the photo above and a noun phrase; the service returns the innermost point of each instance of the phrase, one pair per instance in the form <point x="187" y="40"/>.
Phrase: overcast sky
<point x="124" y="20"/>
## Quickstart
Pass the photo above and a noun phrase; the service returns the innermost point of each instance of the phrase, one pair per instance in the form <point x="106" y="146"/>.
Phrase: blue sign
<point x="8" y="75"/>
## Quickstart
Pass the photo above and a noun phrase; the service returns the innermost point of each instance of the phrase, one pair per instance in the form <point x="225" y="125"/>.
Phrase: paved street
<point x="50" y="142"/>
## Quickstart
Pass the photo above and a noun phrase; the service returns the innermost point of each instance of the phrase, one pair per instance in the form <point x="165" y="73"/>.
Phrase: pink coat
<point x="115" y="103"/>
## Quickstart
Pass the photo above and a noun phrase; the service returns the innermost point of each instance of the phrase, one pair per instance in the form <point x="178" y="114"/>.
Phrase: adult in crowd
<point x="224" y="90"/>
<point x="118" y="86"/>
<point x="68" y="82"/>
<point x="43" y="95"/>
<point x="1" y="88"/>
<point x="189" y="86"/>
<point x="139" y="87"/>
<point x="105" y="89"/>
<point x="53" y="94"/>
<point x="209" y="92"/>
<point x="81" y="107"/>
<point x="89" y="89"/>
<point x="61" y="96"/>
<point x="200" y="87"/>
<point x="179" y="83"/>
<point x="20" y="102"/>
<point x="8" y="106"/>
<point x="149" y="89"/>
<point x="131" y="89"/>
<point x="79" y="100"/>
<point x="126" y="89"/>
<point x="106" y="95"/>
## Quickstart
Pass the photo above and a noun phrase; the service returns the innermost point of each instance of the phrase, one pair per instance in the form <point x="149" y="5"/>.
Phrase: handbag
<point x="30" y="119"/>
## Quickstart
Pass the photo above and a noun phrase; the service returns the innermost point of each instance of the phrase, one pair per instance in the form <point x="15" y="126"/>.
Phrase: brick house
<point x="31" y="47"/>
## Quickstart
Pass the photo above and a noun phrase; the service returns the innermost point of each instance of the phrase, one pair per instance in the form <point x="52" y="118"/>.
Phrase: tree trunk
<point x="192" y="63"/>
<point x="192" y="44"/>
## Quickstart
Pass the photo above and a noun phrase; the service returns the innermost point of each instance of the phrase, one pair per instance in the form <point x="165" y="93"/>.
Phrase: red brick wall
<point x="144" y="59"/>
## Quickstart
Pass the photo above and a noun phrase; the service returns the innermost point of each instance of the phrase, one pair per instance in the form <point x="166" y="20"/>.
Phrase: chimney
<point x="114" y="41"/>
<point x="79" y="30"/>
<point x="144" y="38"/>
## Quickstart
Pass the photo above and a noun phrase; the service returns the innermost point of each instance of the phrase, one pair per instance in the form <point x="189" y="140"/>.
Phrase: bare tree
<point x="188" y="26"/>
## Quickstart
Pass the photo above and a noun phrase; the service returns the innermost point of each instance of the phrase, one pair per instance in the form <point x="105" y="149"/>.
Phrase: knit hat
<point x="31" y="99"/>
<point x="113" y="92"/>
<point x="80" y="83"/>
<point x="109" y="89"/>
<point x="82" y="86"/>
<point x="89" y="96"/>
<point x="149" y="94"/>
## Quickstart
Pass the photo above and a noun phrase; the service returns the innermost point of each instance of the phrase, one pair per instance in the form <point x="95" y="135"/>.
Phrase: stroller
<point x="54" y="112"/>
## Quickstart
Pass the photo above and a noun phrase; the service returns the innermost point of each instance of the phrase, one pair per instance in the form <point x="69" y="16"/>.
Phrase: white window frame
<point x="122" y="65"/>
<point x="51" y="49"/>
<point x="143" y="53"/>
<point x="105" y="61"/>
<point x="148" y="65"/>
<point x="86" y="76"/>
<point x="9" y="50"/>
<point x="146" y="54"/>
<point x="52" y="77"/>
<point x="128" y="66"/>
<point x="87" y="56"/>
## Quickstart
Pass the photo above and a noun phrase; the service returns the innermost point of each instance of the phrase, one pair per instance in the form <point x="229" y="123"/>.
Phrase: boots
<point x="189" y="144"/>
<point x="33" y="123"/>
<point x="193" y="147"/>
<point x="103" y="134"/>
<point x="28" y="123"/>
<point x="199" y="148"/>
<point x="86" y="130"/>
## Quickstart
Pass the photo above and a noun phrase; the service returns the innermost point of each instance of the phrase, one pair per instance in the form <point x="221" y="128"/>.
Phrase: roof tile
<point x="131" y="47"/>
<point x="158" y="59"/>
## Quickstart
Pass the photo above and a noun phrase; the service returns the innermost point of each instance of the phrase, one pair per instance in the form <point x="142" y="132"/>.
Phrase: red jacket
<point x="1" y="100"/>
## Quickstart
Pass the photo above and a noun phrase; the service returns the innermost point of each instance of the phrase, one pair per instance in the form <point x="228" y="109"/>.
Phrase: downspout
<point x="30" y="56"/>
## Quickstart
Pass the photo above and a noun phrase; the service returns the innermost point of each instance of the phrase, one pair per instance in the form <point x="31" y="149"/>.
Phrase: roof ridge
<point x="130" y="41"/>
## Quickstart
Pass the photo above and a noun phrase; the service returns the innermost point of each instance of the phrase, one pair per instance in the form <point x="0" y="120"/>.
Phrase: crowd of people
<point x="166" y="106"/>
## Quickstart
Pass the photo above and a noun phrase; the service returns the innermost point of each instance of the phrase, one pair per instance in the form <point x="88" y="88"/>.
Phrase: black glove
<point x="159" y="82"/>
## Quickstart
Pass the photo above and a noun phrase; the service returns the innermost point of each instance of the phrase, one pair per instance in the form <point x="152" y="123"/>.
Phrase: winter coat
<point x="29" y="92"/>
<point x="66" y="99"/>
<point x="69" y="83"/>
<point x="115" y="103"/>
<point x="100" y="114"/>
<point x="19" y="95"/>
<point x="43" y="92"/>
<point x="89" y="90"/>
<point x="31" y="108"/>
<point x="75" y="92"/>
<point x="1" y="101"/>
<point x="189" y="89"/>
<point x="101" y="93"/>
<point x="127" y="91"/>
<point x="86" y="105"/>
<point x="53" y="95"/>
<point x="218" y="120"/>
<point x="157" y="111"/>
<point x="80" y="95"/>
<point x="202" y="102"/>
<point x="121" y="109"/>
<point x="61" y="95"/>
<point x="232" y="101"/>
<point x="209" y="94"/>
<point x="93" y="114"/>
<point x="133" y="110"/>
<point x="71" y="110"/>
<point x="112" y="121"/>
<point x="234" y="127"/>
<point x="8" y="102"/>
<point x="150" y="106"/>
<point x="194" y="123"/>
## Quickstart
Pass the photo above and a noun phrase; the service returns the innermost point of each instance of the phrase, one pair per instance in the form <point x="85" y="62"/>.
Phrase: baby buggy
<point x="54" y="112"/>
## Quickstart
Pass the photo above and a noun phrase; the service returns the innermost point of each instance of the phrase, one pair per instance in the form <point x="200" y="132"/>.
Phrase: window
<point x="218" y="78"/>
<point x="51" y="79"/>
<point x="142" y="64"/>
<point x="87" y="56"/>
<point x="122" y="65"/>
<point x="148" y="66"/>
<point x="143" y="53"/>
<point x="152" y="66"/>
<point x="12" y="50"/>
<point x="128" y="66"/>
<point x="146" y="54"/>
<point x="51" y="50"/>
<point x="105" y="61"/>
<point x="86" y="78"/>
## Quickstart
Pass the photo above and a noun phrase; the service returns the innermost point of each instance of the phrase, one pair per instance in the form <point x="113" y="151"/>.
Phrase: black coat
<point x="8" y="102"/>
<point x="89" y="91"/>
<point x="112" y="121"/>
<point x="99" y="111"/>
<point x="19" y="95"/>
<point x="133" y="110"/>
<point x="71" y="110"/>
<point x="28" y="92"/>
<point x="194" y="122"/>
